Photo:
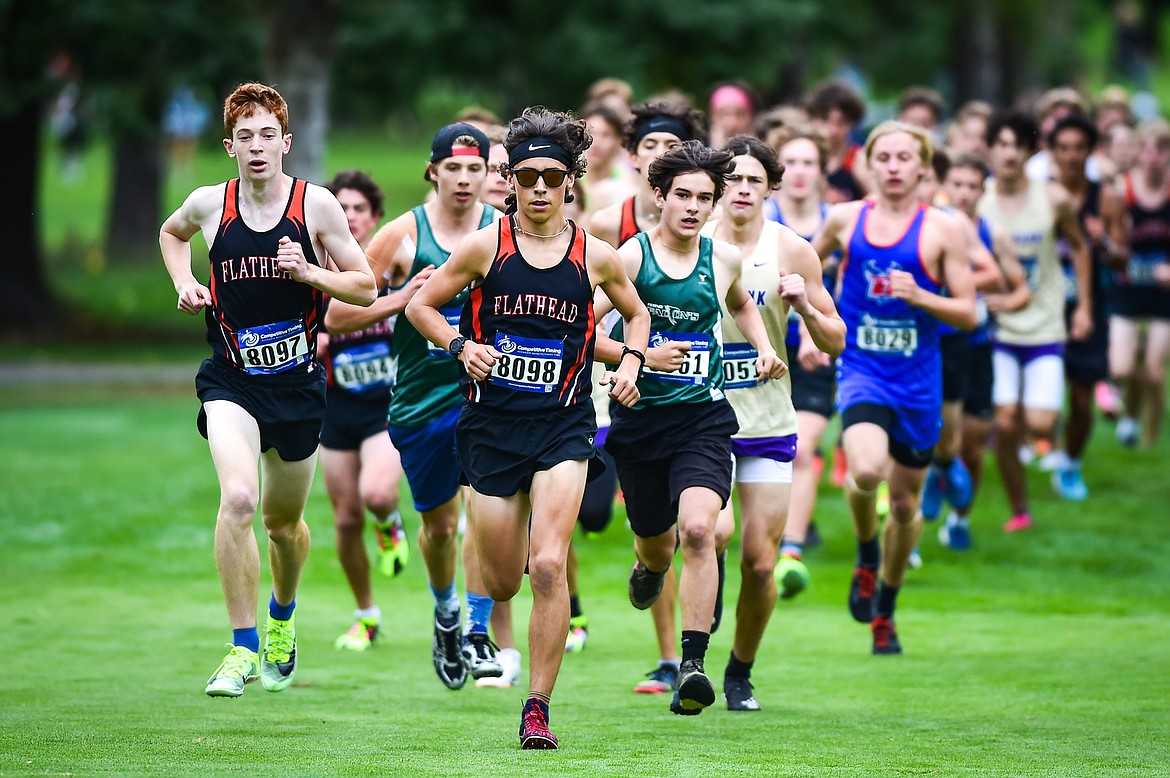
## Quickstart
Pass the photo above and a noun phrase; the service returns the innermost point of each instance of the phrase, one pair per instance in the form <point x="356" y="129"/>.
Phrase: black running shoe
<point x="447" y="652"/>
<point x="862" y="594"/>
<point x="717" y="617"/>
<point x="885" y="637"/>
<point x="738" y="692"/>
<point x="695" y="691"/>
<point x="645" y="586"/>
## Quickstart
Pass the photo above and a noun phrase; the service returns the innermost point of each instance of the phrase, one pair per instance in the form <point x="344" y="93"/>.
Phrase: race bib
<point x="527" y="364"/>
<point x="1031" y="266"/>
<point x="364" y="367"/>
<point x="452" y="315"/>
<point x="696" y="364"/>
<point x="1140" y="269"/>
<point x="739" y="366"/>
<point x="888" y="340"/>
<point x="273" y="348"/>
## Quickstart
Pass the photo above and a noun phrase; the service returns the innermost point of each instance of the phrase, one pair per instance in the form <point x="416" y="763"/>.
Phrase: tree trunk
<point x="975" y="55"/>
<point x="135" y="208"/>
<point x="299" y="56"/>
<point x="24" y="295"/>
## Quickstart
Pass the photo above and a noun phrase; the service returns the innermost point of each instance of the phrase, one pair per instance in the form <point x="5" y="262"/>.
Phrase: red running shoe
<point x="885" y="637"/>
<point x="534" y="733"/>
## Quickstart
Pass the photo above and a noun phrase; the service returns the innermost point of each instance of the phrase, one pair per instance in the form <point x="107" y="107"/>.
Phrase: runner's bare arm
<point x="1018" y="294"/>
<point x="804" y="291"/>
<point x="352" y="282"/>
<point x="343" y="317"/>
<point x="174" y="240"/>
<point x="606" y="268"/>
<point x="957" y="310"/>
<point x="468" y="264"/>
<point x="1068" y="225"/>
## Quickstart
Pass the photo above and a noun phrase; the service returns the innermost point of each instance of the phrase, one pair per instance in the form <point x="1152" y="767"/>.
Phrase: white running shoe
<point x="509" y="659"/>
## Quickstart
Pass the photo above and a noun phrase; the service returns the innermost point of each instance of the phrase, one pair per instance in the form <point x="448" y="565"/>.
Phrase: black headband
<point x="539" y="147"/>
<point x="660" y="124"/>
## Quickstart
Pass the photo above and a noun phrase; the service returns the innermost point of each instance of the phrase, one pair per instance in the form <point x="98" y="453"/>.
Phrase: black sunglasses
<point x="526" y="176"/>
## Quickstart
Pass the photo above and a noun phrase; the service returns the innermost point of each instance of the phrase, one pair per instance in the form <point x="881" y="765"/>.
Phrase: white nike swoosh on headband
<point x="537" y="148"/>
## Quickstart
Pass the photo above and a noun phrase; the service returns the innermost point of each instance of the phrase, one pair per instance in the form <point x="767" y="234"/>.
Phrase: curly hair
<point x="564" y="128"/>
<point x="692" y="157"/>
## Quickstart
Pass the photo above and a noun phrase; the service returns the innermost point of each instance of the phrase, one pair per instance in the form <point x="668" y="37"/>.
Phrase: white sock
<point x="372" y="613"/>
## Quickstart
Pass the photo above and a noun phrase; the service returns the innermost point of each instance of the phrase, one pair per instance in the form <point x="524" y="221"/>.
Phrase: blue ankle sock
<point x="446" y="601"/>
<point x="479" y="611"/>
<point x="249" y="638"/>
<point x="281" y="612"/>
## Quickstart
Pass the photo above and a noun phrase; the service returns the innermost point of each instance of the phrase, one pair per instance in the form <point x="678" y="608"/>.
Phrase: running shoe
<point x="914" y="562"/>
<point x="578" y="635"/>
<point x="509" y="659"/>
<point x="1127" y="432"/>
<point x="360" y="636"/>
<point x="660" y="680"/>
<point x="534" y="731"/>
<point x="240" y="666"/>
<point x="840" y="468"/>
<point x="1108" y="399"/>
<point x="278" y="660"/>
<point x="791" y="576"/>
<point x="1021" y="521"/>
<point x="882" y="505"/>
<point x="644" y="586"/>
<point x="1027" y="454"/>
<point x="393" y="550"/>
<point x="955" y="533"/>
<point x="885" y="636"/>
<point x="1052" y="461"/>
<point x="862" y="591"/>
<point x="932" y="492"/>
<point x="959" y="488"/>
<point x="1070" y="484"/>
<point x="694" y="691"/>
<point x="717" y="616"/>
<point x="479" y="654"/>
<point x="447" y="652"/>
<point x="737" y="690"/>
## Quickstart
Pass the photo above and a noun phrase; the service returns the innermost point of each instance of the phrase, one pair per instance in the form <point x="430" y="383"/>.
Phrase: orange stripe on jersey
<point x="573" y="373"/>
<point x="230" y="211"/>
<point x="475" y="300"/>
<point x="629" y="223"/>
<point x="296" y="206"/>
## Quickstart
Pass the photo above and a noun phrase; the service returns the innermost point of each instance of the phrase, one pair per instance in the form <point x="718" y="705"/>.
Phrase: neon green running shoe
<point x="239" y="667"/>
<point x="578" y="635"/>
<point x="393" y="553"/>
<point x="278" y="661"/>
<point x="883" y="500"/>
<point x="791" y="576"/>
<point x="360" y="636"/>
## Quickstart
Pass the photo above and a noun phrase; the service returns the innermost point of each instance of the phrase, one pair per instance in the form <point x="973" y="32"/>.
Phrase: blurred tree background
<point x="146" y="79"/>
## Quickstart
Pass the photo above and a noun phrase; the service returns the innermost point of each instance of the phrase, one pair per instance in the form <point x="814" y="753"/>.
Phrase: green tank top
<point x="428" y="377"/>
<point x="685" y="309"/>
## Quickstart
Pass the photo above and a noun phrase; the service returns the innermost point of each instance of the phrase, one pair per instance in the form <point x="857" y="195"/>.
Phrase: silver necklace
<point x="556" y="234"/>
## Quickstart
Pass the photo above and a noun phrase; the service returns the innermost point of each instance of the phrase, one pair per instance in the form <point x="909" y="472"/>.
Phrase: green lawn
<point x="1036" y="654"/>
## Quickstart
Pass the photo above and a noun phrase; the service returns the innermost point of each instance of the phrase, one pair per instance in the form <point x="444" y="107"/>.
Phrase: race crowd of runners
<point x="657" y="306"/>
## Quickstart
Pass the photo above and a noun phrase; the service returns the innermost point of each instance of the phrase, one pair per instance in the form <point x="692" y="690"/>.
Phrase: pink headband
<point x="729" y="96"/>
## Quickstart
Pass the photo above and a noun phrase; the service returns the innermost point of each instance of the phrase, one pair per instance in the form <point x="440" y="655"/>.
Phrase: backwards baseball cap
<point x="441" y="146"/>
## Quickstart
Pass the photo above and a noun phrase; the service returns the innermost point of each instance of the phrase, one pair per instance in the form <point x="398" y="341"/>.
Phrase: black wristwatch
<point x="456" y="346"/>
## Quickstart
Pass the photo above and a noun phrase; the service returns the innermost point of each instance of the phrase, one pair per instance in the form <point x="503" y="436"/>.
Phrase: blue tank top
<point x="891" y="354"/>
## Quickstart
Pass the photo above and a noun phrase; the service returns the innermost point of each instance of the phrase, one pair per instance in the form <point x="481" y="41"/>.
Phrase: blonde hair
<point x="1156" y="129"/>
<point x="783" y="135"/>
<point x="891" y="126"/>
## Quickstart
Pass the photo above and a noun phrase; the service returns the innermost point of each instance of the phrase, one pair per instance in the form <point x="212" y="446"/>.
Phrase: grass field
<point x="1036" y="654"/>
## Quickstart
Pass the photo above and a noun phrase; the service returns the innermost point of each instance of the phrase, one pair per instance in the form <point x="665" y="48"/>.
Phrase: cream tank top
<point x="1033" y="232"/>
<point x="764" y="410"/>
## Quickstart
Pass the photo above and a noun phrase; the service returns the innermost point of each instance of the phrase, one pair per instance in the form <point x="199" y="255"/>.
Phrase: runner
<point x="1029" y="343"/>
<point x="359" y="463"/>
<point x="782" y="274"/>
<point x="426" y="400"/>
<point x="964" y="184"/>
<point x="525" y="342"/>
<point x="836" y="110"/>
<point x="1142" y="295"/>
<point x="262" y="392"/>
<point x="899" y="253"/>
<point x="674" y="447"/>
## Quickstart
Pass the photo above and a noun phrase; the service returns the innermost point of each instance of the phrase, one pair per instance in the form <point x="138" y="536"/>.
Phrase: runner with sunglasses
<point x="426" y="400"/>
<point x="525" y="345"/>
